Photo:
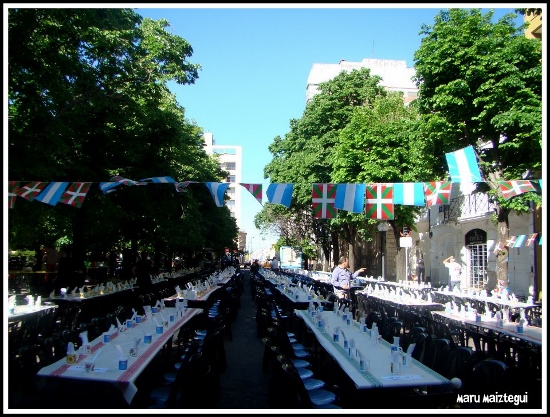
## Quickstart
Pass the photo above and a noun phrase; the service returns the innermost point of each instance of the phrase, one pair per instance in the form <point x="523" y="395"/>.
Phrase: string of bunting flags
<point x="377" y="200"/>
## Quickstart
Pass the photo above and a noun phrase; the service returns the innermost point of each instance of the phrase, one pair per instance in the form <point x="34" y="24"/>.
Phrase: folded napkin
<point x="120" y="352"/>
<point x="84" y="337"/>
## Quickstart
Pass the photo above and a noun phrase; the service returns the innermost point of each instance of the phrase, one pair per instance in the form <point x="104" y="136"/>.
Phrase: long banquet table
<point x="379" y="354"/>
<point x="531" y="334"/>
<point x="106" y="365"/>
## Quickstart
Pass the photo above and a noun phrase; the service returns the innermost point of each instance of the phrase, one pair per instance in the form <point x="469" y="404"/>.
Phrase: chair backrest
<point x="457" y="360"/>
<point x="419" y="339"/>
<point x="488" y="376"/>
<point x="295" y="394"/>
<point x="393" y="329"/>
<point x="435" y="353"/>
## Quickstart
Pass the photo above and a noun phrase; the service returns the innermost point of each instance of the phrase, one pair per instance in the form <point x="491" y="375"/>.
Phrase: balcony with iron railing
<point x="467" y="207"/>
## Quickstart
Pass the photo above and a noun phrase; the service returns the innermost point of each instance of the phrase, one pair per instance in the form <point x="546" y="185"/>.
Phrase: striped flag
<point x="409" y="193"/>
<point x="75" y="194"/>
<point x="159" y="180"/>
<point x="350" y="197"/>
<point x="52" y="193"/>
<point x="510" y="241"/>
<point x="181" y="186"/>
<point x="126" y="181"/>
<point x="323" y="197"/>
<point x="379" y="201"/>
<point x="217" y="189"/>
<point x="438" y="192"/>
<point x="519" y="241"/>
<point x="280" y="194"/>
<point x="498" y="247"/>
<point x="31" y="190"/>
<point x="512" y="188"/>
<point x="531" y="239"/>
<point x="13" y="186"/>
<point x="255" y="190"/>
<point x="463" y="165"/>
<point x="108" y="187"/>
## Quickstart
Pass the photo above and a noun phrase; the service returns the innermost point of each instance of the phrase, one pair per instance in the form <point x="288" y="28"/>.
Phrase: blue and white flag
<point x="280" y="194"/>
<point x="217" y="189"/>
<point x="519" y="241"/>
<point x="463" y="165"/>
<point x="350" y="197"/>
<point x="409" y="193"/>
<point x="108" y="187"/>
<point x="159" y="180"/>
<point x="52" y="193"/>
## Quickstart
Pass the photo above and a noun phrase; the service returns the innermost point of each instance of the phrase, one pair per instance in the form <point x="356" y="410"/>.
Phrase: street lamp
<point x="383" y="228"/>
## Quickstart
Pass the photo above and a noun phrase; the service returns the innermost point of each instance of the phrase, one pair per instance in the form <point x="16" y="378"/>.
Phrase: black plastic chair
<point x="456" y="362"/>
<point x="294" y="393"/>
<point x="435" y="354"/>
<point x="488" y="377"/>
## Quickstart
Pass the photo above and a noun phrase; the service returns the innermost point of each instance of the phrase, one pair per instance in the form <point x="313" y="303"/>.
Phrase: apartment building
<point x="230" y="158"/>
<point x="396" y="76"/>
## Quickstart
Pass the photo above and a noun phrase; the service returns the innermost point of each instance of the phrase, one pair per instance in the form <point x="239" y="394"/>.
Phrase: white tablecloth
<point x="106" y="365"/>
<point x="379" y="375"/>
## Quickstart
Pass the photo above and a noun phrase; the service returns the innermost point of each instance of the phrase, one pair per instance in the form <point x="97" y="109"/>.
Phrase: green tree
<point x="88" y="99"/>
<point x="383" y="143"/>
<point x="481" y="84"/>
<point x="304" y="155"/>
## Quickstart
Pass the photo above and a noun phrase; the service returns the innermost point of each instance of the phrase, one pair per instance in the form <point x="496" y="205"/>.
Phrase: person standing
<point x="275" y="264"/>
<point x="254" y="268"/>
<point x="454" y="272"/>
<point x="342" y="276"/>
<point x="421" y="270"/>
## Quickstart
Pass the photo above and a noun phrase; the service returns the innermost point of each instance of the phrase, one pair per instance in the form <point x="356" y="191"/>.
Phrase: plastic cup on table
<point x="147" y="338"/>
<point x="122" y="364"/>
<point x="159" y="329"/>
<point x="138" y="319"/>
<point x="106" y="337"/>
<point x="129" y="324"/>
<point x="89" y="367"/>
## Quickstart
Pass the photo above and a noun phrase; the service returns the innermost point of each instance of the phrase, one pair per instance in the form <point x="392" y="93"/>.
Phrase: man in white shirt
<point x="274" y="264"/>
<point x="454" y="272"/>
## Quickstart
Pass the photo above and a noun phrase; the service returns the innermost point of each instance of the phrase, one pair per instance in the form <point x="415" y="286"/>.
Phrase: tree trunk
<point x="501" y="274"/>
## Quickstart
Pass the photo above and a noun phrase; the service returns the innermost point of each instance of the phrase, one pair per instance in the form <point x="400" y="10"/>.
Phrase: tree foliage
<point x="321" y="148"/>
<point x="88" y="99"/>
<point x="481" y="84"/>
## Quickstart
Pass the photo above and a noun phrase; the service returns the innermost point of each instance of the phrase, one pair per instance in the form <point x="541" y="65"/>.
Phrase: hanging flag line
<point x="377" y="200"/>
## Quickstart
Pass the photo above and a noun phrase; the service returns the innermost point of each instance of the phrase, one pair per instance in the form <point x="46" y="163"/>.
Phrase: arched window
<point x="476" y="262"/>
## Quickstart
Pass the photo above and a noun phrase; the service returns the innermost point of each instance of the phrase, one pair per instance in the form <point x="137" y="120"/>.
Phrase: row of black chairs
<point x="289" y="363"/>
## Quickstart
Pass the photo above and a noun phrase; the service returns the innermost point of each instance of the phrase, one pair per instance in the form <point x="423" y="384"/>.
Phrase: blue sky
<point x="256" y="60"/>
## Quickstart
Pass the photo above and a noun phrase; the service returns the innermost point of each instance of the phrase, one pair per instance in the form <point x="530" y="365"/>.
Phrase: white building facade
<point x="396" y="76"/>
<point x="230" y="158"/>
